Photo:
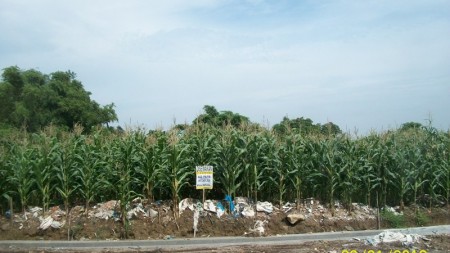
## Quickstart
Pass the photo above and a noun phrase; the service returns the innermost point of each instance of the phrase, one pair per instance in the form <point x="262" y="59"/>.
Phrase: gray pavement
<point x="212" y="241"/>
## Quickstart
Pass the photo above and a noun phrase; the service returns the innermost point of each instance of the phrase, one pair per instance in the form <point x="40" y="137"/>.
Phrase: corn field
<point x="55" y="167"/>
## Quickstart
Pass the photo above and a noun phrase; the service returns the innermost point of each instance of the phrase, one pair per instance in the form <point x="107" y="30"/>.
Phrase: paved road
<point x="214" y="242"/>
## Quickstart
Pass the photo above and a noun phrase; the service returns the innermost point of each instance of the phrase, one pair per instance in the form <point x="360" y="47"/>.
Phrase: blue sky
<point x="360" y="64"/>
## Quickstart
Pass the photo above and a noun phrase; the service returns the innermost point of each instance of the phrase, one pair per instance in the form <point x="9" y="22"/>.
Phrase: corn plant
<point x="125" y="159"/>
<point x="43" y="169"/>
<point x="177" y="168"/>
<point x="255" y="173"/>
<point x="367" y="173"/>
<point x="348" y="170"/>
<point x="400" y="174"/>
<point x="379" y="159"/>
<point x="275" y="162"/>
<point x="64" y="169"/>
<point x="203" y="145"/>
<point x="329" y="165"/>
<point x="295" y="161"/>
<point x="152" y="155"/>
<point x="229" y="160"/>
<point x="6" y="192"/>
<point x="20" y="176"/>
<point x="89" y="165"/>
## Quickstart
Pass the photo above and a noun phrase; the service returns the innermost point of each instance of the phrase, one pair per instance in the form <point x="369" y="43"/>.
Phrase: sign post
<point x="204" y="178"/>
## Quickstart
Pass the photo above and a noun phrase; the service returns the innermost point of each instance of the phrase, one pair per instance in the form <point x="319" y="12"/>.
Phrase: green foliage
<point x="54" y="166"/>
<point x="394" y="220"/>
<point x="34" y="100"/>
<point x="305" y="126"/>
<point x="414" y="126"/>
<point x="229" y="163"/>
<point x="422" y="218"/>
<point x="220" y="119"/>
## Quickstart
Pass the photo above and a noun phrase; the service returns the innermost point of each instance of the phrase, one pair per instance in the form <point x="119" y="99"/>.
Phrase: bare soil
<point x="165" y="226"/>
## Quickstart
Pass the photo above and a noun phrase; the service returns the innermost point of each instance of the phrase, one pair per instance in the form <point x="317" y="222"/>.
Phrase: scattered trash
<point x="243" y="207"/>
<point x="209" y="206"/>
<point x="134" y="212"/>
<point x="230" y="202"/>
<point x="388" y="236"/>
<point x="287" y="207"/>
<point x="266" y="207"/>
<point x="104" y="214"/>
<point x="105" y="210"/>
<point x="57" y="224"/>
<point x="50" y="222"/>
<point x="152" y="213"/>
<point x="220" y="209"/>
<point x="196" y="216"/>
<point x="35" y="209"/>
<point x="392" y="210"/>
<point x="248" y="212"/>
<point x="46" y="223"/>
<point x="258" y="228"/>
<point x="241" y="200"/>
<point x="186" y="203"/>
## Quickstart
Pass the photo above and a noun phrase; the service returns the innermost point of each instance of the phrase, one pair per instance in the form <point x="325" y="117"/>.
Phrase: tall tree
<point x="35" y="100"/>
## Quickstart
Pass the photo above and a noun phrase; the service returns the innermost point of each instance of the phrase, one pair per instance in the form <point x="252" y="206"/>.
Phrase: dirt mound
<point x="157" y="220"/>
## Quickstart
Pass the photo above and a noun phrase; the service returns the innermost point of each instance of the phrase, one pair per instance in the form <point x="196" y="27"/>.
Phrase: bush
<point x="394" y="220"/>
<point x="422" y="218"/>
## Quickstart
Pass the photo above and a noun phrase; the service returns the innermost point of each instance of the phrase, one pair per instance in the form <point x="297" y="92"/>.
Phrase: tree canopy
<point x="31" y="99"/>
<point x="216" y="118"/>
<point x="305" y="126"/>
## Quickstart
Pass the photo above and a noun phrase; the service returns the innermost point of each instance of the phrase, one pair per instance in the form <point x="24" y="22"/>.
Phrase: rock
<point x="5" y="227"/>
<point x="293" y="218"/>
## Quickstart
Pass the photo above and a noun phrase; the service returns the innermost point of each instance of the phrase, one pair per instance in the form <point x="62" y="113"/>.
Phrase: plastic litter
<point x="184" y="204"/>
<point x="230" y="202"/>
<point x="104" y="210"/>
<point x="35" y="209"/>
<point x="266" y="207"/>
<point x="57" y="224"/>
<point x="220" y="209"/>
<point x="50" y="222"/>
<point x="134" y="212"/>
<point x="209" y="206"/>
<point x="46" y="223"/>
<point x="258" y="227"/>
<point x="287" y="207"/>
<point x="152" y="213"/>
<point x="388" y="236"/>
<point x="248" y="212"/>
<point x="196" y="216"/>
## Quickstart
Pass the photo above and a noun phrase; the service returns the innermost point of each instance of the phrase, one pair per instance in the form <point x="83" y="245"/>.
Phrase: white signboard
<point x="204" y="177"/>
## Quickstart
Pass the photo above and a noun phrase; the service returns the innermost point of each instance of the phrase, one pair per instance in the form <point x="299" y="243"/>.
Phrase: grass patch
<point x="422" y="218"/>
<point x="393" y="219"/>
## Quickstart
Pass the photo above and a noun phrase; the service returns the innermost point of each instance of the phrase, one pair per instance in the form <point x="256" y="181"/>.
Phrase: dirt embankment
<point x="157" y="220"/>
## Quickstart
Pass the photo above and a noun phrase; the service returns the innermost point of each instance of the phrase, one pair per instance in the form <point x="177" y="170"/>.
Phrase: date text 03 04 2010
<point x="384" y="251"/>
